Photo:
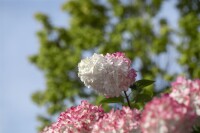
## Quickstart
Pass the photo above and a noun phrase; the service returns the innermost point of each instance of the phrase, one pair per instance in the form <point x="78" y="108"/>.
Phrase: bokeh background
<point x="19" y="78"/>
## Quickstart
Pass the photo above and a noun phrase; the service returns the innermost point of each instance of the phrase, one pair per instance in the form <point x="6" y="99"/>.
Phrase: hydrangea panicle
<point x="165" y="115"/>
<point x="108" y="75"/>
<point x="79" y="119"/>
<point x="187" y="92"/>
<point x="119" y="121"/>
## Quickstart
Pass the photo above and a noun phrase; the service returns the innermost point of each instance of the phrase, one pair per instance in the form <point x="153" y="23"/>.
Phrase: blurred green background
<point x="160" y="36"/>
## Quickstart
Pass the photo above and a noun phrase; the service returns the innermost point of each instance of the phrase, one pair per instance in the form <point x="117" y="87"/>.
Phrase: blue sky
<point x="18" y="78"/>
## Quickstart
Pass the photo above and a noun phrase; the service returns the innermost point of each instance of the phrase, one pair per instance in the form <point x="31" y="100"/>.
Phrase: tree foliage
<point x="108" y="26"/>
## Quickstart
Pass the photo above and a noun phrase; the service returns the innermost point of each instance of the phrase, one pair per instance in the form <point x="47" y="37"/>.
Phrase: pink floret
<point x="79" y="119"/>
<point x="165" y="115"/>
<point x="119" y="121"/>
<point x="187" y="91"/>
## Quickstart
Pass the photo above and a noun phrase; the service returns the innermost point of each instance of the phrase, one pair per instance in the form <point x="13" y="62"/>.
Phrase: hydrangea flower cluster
<point x="109" y="75"/>
<point x="187" y="92"/>
<point x="79" y="119"/>
<point x="87" y="118"/>
<point x="119" y="121"/>
<point x="165" y="115"/>
<point x="176" y="112"/>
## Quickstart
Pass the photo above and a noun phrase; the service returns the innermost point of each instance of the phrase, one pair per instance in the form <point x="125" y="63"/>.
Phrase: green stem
<point x="127" y="99"/>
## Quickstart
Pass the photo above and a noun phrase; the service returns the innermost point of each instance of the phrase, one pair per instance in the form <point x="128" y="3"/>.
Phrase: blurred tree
<point x="108" y="26"/>
<point x="189" y="34"/>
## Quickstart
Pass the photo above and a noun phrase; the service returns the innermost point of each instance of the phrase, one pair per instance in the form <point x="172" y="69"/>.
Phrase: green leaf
<point x="137" y="105"/>
<point x="141" y="84"/>
<point x="113" y="100"/>
<point x="196" y="129"/>
<point x="148" y="91"/>
<point x="143" y="98"/>
<point x="134" y="105"/>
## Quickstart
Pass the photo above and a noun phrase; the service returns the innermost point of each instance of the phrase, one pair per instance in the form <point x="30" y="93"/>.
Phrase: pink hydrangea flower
<point x="187" y="92"/>
<point x="108" y="75"/>
<point x="165" y="115"/>
<point x="119" y="121"/>
<point x="79" y="119"/>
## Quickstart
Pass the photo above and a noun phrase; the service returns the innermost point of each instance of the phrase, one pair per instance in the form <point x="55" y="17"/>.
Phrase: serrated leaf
<point x="141" y="84"/>
<point x="113" y="100"/>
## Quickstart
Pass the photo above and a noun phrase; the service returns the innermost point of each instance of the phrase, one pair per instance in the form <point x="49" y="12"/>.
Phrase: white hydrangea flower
<point x="108" y="75"/>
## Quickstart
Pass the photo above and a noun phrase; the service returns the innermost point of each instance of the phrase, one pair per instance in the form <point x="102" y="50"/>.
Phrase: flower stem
<point x="127" y="99"/>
